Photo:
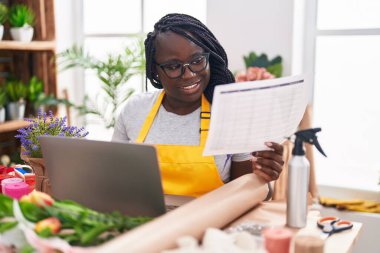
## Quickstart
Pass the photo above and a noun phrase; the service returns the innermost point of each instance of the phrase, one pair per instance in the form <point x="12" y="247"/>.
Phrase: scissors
<point x="331" y="225"/>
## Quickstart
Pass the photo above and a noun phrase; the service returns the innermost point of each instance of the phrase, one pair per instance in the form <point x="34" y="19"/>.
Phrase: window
<point x="346" y="91"/>
<point x="109" y="26"/>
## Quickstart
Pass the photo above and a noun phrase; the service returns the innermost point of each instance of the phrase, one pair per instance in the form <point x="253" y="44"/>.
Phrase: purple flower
<point x="51" y="116"/>
<point x="55" y="126"/>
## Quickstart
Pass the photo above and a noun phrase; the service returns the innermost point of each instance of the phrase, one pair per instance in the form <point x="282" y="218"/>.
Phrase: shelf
<point x="13" y="125"/>
<point x="27" y="46"/>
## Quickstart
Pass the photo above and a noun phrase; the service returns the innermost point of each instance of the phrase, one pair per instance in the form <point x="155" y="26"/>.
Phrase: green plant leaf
<point x="6" y="206"/>
<point x="27" y="249"/>
<point x="3" y="13"/>
<point x="88" y="237"/>
<point x="275" y="70"/>
<point x="20" y="15"/>
<point x="276" y="60"/>
<point x="114" y="72"/>
<point x="3" y="97"/>
<point x="5" y="226"/>
<point x="250" y="59"/>
<point x="32" y="212"/>
<point x="261" y="61"/>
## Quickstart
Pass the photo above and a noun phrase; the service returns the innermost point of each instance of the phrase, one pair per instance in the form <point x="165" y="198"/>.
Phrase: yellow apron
<point x="184" y="170"/>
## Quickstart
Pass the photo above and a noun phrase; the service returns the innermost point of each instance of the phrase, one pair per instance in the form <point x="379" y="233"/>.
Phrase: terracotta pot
<point x="39" y="168"/>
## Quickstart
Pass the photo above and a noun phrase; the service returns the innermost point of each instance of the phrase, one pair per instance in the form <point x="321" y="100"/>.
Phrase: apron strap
<point x="205" y="119"/>
<point x="150" y="118"/>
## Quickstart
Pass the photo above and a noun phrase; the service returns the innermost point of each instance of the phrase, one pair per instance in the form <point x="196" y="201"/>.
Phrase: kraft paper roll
<point x="215" y="209"/>
<point x="308" y="244"/>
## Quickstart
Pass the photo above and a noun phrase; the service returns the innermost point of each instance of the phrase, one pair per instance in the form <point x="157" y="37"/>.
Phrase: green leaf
<point x="276" y="60"/>
<point x="250" y="59"/>
<point x="5" y="226"/>
<point x="6" y="206"/>
<point x="261" y="61"/>
<point x="275" y="70"/>
<point x="27" y="249"/>
<point x="3" y="13"/>
<point x="88" y="237"/>
<point x="20" y="15"/>
<point x="132" y="222"/>
<point x="32" y="212"/>
<point x="114" y="73"/>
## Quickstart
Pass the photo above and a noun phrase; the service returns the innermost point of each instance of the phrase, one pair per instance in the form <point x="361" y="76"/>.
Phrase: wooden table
<point x="274" y="213"/>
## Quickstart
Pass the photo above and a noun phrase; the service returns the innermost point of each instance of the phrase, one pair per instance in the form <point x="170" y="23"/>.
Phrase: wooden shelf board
<point x="27" y="46"/>
<point x="13" y="125"/>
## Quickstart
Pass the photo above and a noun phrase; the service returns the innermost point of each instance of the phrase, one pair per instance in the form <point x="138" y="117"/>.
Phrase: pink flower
<point x="241" y="77"/>
<point x="253" y="74"/>
<point x="53" y="224"/>
<point x="40" y="199"/>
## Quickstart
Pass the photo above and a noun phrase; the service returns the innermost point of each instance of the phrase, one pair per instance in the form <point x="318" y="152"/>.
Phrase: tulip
<point x="241" y="77"/>
<point x="49" y="226"/>
<point x="38" y="198"/>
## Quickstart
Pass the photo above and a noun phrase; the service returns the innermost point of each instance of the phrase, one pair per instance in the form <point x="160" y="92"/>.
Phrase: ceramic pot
<point x="16" y="110"/>
<point x="2" y="115"/>
<point x="23" y="34"/>
<point x="1" y="32"/>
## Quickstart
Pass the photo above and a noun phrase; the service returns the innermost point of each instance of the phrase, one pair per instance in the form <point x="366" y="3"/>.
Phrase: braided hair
<point x="195" y="31"/>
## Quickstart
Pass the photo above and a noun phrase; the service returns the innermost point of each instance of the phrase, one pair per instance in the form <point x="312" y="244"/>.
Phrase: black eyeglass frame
<point x="183" y="65"/>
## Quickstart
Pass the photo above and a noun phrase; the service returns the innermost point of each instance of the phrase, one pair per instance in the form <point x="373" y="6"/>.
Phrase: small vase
<point x="2" y="115"/>
<point x="1" y="32"/>
<point x="39" y="168"/>
<point x="23" y="34"/>
<point x="16" y="110"/>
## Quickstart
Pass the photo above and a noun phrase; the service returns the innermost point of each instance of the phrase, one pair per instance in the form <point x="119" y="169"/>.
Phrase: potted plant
<point x="38" y="100"/>
<point x="31" y="153"/>
<point x="21" y="19"/>
<point x="273" y="66"/>
<point x="3" y="18"/>
<point x="3" y="100"/>
<point x="16" y="93"/>
<point x="113" y="72"/>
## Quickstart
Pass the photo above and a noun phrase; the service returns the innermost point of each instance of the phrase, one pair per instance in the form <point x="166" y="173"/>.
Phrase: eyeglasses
<point x="176" y="69"/>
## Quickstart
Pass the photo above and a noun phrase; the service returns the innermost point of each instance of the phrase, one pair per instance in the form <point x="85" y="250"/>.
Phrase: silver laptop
<point x="105" y="176"/>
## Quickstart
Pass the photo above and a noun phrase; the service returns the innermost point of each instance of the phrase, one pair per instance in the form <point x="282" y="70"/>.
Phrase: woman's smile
<point x="191" y="88"/>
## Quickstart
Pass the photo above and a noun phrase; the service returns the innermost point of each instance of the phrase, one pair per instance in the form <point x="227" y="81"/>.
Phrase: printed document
<point x="245" y="115"/>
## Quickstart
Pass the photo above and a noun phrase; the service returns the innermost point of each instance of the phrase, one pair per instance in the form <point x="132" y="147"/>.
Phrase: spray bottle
<point x="298" y="178"/>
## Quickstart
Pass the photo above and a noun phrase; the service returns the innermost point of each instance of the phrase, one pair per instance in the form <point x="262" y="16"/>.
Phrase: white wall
<point x="68" y="32"/>
<point x="242" y="26"/>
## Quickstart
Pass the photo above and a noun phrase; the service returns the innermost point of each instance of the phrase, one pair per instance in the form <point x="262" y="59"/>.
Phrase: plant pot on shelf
<point x="1" y="32"/>
<point x="16" y="110"/>
<point x="39" y="168"/>
<point x="23" y="34"/>
<point x="2" y="115"/>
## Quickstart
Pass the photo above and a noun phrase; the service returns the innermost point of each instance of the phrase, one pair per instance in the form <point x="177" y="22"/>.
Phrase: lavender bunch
<point x="48" y="126"/>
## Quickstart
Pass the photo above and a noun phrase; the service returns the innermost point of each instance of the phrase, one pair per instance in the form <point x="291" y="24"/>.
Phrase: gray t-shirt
<point x="167" y="128"/>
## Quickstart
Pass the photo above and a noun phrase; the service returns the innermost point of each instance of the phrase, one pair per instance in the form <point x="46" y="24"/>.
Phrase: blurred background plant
<point x="113" y="72"/>
<point x="3" y="101"/>
<point x="3" y="97"/>
<point x="3" y="13"/>
<point x="273" y="66"/>
<point x="16" y="90"/>
<point x="21" y="15"/>
<point x="259" y="67"/>
<point x="38" y="100"/>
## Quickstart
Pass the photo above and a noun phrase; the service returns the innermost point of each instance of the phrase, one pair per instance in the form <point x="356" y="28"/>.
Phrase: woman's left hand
<point x="268" y="163"/>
